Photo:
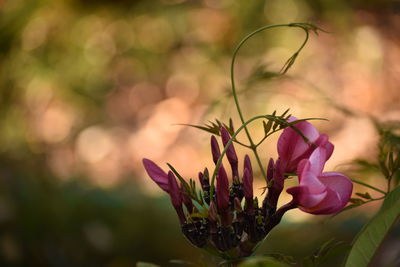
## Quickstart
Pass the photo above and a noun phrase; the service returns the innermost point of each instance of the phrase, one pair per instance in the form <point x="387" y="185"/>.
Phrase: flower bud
<point x="174" y="190"/>
<point x="222" y="190"/>
<point x="270" y="170"/>
<point x="230" y="153"/>
<point x="216" y="153"/>
<point x="176" y="196"/>
<point x="248" y="184"/>
<point x="156" y="174"/>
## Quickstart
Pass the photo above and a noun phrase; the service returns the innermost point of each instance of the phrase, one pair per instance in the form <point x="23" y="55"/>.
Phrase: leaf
<point x="213" y="127"/>
<point x="365" y="165"/>
<point x="365" y="195"/>
<point x="262" y="261"/>
<point x="372" y="235"/>
<point x="267" y="126"/>
<point x="281" y="258"/>
<point x="182" y="262"/>
<point x="328" y="250"/>
<point x="146" y="264"/>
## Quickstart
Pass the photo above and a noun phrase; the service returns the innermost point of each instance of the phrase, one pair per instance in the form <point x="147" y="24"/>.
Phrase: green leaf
<point x="365" y="195"/>
<point x="146" y="264"/>
<point x="262" y="261"/>
<point x="267" y="126"/>
<point x="372" y="235"/>
<point x="328" y="250"/>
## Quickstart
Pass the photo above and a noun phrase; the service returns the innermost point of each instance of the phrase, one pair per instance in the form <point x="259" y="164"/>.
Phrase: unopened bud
<point x="270" y="170"/>
<point x="248" y="184"/>
<point x="216" y="153"/>
<point x="222" y="190"/>
<point x="230" y="153"/>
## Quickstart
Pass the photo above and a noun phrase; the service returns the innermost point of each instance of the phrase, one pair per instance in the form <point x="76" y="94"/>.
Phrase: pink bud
<point x="222" y="190"/>
<point x="230" y="153"/>
<point x="247" y="164"/>
<point x="174" y="190"/>
<point x="270" y="170"/>
<point x="248" y="184"/>
<point x="156" y="174"/>
<point x="216" y="153"/>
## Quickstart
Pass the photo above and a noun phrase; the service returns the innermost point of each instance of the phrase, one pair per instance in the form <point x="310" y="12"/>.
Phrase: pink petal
<point x="324" y="142"/>
<point x="291" y="145"/>
<point x="303" y="165"/>
<point x="329" y="205"/>
<point x="317" y="160"/>
<point x="305" y="200"/>
<point x="338" y="183"/>
<point x="311" y="181"/>
<point x="156" y="174"/>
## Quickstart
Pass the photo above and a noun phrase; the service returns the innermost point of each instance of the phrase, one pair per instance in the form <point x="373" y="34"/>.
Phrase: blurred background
<point x="89" y="88"/>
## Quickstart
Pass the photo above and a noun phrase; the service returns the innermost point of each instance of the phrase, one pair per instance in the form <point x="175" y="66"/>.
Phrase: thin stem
<point x="285" y="68"/>
<point x="369" y="186"/>
<point x="240" y="143"/>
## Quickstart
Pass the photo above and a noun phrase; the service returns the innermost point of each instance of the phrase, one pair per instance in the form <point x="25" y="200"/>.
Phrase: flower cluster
<point x="228" y="218"/>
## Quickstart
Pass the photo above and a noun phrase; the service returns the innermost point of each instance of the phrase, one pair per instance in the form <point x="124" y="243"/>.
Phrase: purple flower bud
<point x="222" y="190"/>
<point x="156" y="174"/>
<point x="248" y="184"/>
<point x="247" y="164"/>
<point x="176" y="196"/>
<point x="230" y="153"/>
<point x="216" y="153"/>
<point x="174" y="190"/>
<point x="270" y="170"/>
<point x="277" y="186"/>
<point x="204" y="179"/>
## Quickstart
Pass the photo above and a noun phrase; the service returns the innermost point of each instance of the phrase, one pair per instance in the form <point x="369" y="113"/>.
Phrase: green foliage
<point x="327" y="251"/>
<point x="262" y="261"/>
<point x="370" y="238"/>
<point x="214" y="127"/>
<point x="146" y="264"/>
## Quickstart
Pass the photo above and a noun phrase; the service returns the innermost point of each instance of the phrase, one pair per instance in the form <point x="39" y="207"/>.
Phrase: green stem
<point x="369" y="186"/>
<point x="288" y="64"/>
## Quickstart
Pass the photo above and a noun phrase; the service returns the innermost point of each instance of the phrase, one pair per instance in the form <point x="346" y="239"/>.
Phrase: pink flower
<point x="318" y="192"/>
<point x="292" y="148"/>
